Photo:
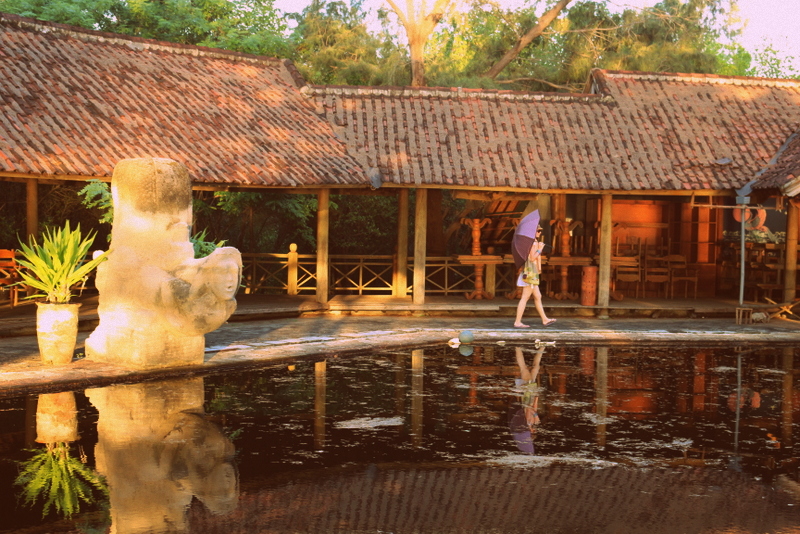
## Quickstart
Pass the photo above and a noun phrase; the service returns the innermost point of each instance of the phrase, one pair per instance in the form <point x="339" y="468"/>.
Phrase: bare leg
<point x="524" y="372"/>
<point x="537" y="301"/>
<point x="523" y="301"/>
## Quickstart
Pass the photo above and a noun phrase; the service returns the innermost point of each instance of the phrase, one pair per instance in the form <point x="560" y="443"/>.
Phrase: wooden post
<point x="291" y="270"/>
<point x="420" y="250"/>
<point x="401" y="269"/>
<point x="32" y="208"/>
<point x="790" y="255"/>
<point x="604" y="271"/>
<point x="323" y="220"/>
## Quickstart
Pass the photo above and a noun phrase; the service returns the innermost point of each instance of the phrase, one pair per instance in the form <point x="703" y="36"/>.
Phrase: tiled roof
<point x="639" y="132"/>
<point x="783" y="170"/>
<point x="74" y="102"/>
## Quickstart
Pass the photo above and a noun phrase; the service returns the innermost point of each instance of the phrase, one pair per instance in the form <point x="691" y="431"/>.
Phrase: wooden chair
<point x="9" y="275"/>
<point x="656" y="271"/>
<point x="679" y="271"/>
<point x="629" y="273"/>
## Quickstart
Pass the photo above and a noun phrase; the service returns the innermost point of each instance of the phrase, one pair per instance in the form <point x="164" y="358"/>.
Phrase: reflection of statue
<point x="157" y="452"/>
<point x="156" y="300"/>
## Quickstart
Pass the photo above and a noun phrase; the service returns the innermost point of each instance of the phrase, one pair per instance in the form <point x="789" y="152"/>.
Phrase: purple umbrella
<point x="524" y="236"/>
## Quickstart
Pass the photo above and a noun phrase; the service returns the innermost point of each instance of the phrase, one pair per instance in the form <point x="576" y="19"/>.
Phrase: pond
<point x="495" y="438"/>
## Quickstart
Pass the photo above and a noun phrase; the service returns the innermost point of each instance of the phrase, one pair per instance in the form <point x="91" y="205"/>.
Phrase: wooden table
<point x="480" y="261"/>
<point x="565" y="262"/>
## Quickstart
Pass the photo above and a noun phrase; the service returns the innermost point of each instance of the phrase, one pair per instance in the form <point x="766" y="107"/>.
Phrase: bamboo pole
<point x="401" y="272"/>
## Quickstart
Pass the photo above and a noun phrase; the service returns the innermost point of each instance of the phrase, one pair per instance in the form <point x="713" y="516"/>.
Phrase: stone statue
<point x="156" y="300"/>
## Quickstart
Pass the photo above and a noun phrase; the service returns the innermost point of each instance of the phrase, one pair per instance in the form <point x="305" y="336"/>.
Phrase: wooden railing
<point x="295" y="274"/>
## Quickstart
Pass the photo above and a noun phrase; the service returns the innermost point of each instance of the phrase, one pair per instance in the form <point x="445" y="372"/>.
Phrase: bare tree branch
<point x="545" y="82"/>
<point x="525" y="40"/>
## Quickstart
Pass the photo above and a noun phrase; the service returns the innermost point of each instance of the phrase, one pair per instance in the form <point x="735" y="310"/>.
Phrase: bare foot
<point x="520" y="325"/>
<point x="548" y="322"/>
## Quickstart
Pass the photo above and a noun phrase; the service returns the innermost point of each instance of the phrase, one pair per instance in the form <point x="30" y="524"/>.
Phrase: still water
<point x="496" y="438"/>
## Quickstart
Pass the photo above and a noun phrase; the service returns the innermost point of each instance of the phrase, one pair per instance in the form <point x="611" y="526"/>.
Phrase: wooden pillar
<point x="323" y="226"/>
<point x="790" y="256"/>
<point x="401" y="273"/>
<point x="32" y="208"/>
<point x="604" y="271"/>
<point x="420" y="250"/>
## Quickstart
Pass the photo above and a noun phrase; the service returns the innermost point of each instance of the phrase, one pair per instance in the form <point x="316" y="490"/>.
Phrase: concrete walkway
<point x="254" y="337"/>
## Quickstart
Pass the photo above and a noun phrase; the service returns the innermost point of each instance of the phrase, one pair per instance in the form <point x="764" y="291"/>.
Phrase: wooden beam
<point x="323" y="226"/>
<point x="604" y="272"/>
<point x="489" y="196"/>
<point x="420" y="244"/>
<point x="401" y="272"/>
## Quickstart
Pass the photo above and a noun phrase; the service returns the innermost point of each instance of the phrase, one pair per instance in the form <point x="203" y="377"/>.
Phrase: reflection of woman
<point x="524" y="415"/>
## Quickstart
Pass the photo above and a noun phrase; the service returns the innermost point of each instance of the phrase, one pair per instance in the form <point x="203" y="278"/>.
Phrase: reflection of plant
<point x="60" y="480"/>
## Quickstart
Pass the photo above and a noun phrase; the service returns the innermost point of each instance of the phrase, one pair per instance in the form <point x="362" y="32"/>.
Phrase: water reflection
<point x="620" y="439"/>
<point x="157" y="450"/>
<point x="53" y="476"/>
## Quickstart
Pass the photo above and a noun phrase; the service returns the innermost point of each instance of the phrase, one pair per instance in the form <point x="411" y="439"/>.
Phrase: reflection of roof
<point x="560" y="498"/>
<point x="73" y="102"/>
<point x="639" y="131"/>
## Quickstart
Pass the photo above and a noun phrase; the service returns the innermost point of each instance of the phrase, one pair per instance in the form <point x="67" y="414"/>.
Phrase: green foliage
<point x="361" y="224"/>
<point x="97" y="195"/>
<point x="252" y="26"/>
<point x="202" y="247"/>
<point x="58" y="263"/>
<point x="59" y="480"/>
<point x="333" y="46"/>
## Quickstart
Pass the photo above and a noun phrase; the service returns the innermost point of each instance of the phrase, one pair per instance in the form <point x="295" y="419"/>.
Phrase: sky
<point x="775" y="22"/>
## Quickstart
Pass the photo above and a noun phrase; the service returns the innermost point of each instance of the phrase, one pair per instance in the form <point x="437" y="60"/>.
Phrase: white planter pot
<point x="57" y="331"/>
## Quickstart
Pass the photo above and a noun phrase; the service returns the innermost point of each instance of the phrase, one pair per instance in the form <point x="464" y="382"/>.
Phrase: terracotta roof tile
<point x="643" y="131"/>
<point x="74" y="102"/>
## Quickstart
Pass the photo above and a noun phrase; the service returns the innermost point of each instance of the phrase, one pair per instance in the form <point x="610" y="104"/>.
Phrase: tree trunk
<point x="526" y="39"/>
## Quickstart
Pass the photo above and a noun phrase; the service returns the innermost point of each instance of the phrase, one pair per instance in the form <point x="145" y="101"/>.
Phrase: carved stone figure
<point x="156" y="300"/>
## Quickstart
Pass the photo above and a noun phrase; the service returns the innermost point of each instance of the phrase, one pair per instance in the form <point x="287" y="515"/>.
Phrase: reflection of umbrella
<point x="523" y="437"/>
<point x="524" y="236"/>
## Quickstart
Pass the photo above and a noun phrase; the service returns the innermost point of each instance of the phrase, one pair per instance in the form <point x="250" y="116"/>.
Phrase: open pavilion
<point x="639" y="167"/>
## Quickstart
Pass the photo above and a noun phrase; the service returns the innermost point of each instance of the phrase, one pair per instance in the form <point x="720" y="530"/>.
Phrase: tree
<point x="252" y="26"/>
<point x="419" y="23"/>
<point x="526" y="39"/>
<point x="333" y="46"/>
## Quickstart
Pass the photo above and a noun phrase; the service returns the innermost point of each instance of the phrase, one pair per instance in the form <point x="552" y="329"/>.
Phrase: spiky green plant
<point x="58" y="263"/>
<point x="59" y="480"/>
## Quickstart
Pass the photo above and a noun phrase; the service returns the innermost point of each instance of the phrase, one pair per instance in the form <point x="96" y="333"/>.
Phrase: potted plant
<point x="53" y="268"/>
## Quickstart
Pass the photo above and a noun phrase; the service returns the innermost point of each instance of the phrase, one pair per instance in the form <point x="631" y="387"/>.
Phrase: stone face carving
<point x="156" y="300"/>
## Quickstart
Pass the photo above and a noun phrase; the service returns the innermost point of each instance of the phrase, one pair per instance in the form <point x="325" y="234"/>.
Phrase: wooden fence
<point x="295" y="274"/>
